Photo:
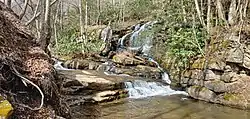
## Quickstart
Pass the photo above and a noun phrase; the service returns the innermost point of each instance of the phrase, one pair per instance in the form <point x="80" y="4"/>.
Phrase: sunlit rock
<point x="5" y="108"/>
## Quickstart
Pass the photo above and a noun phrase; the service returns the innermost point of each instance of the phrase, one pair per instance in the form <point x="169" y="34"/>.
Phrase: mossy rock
<point x="230" y="97"/>
<point x="213" y="63"/>
<point x="116" y="59"/>
<point x="5" y="108"/>
<point x="198" y="64"/>
<point x="124" y="95"/>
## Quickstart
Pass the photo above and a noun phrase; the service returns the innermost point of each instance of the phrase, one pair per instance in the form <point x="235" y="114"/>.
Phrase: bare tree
<point x="208" y="15"/>
<point x="221" y="13"/>
<point x="46" y="28"/>
<point x="232" y="12"/>
<point x="199" y="12"/>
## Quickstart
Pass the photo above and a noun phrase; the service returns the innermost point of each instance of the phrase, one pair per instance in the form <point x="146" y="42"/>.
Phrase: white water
<point x="140" y="88"/>
<point x="58" y="66"/>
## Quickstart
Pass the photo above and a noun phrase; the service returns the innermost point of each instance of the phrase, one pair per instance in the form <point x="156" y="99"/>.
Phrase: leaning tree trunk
<point x="26" y="68"/>
<point x="44" y="40"/>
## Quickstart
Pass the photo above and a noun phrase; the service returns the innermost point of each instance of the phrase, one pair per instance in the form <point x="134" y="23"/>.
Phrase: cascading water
<point x="140" y="88"/>
<point x="58" y="66"/>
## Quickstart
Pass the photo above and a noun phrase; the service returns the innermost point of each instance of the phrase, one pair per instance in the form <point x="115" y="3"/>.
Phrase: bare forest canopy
<point x="69" y="26"/>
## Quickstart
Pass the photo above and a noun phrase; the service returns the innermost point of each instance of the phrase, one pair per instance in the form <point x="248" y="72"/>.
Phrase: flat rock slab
<point x="89" y="86"/>
<point x="92" y="76"/>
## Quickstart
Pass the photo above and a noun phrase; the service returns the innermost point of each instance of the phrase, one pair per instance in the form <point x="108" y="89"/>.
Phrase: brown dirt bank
<point x="25" y="69"/>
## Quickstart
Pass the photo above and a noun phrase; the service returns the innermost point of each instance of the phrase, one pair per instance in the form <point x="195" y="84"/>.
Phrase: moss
<point x="225" y="44"/>
<point x="216" y="82"/>
<point x="230" y="96"/>
<point x="116" y="59"/>
<point x="203" y="89"/>
<point x="123" y="95"/>
<point x="198" y="64"/>
<point x="200" y="88"/>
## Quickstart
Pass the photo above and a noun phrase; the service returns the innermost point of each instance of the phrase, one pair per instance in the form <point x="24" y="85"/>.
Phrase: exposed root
<point x="30" y="82"/>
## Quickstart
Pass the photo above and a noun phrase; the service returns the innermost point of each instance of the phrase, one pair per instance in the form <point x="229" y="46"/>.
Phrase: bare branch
<point x="39" y="13"/>
<point x="24" y="9"/>
<point x="35" y="14"/>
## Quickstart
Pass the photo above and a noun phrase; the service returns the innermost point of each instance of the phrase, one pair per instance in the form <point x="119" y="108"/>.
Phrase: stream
<point x="150" y="99"/>
<point x="160" y="107"/>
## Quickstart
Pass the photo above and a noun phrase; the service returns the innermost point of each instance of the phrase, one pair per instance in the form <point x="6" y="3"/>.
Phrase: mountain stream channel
<point x="149" y="99"/>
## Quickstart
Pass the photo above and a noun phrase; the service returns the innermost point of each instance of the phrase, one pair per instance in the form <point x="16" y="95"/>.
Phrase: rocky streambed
<point x="94" y="80"/>
<point x="124" y="71"/>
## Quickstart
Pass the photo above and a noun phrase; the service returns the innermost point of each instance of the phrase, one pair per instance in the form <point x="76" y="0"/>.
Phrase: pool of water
<point x="160" y="107"/>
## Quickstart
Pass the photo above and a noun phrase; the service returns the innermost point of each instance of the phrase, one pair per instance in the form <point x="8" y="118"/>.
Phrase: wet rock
<point x="94" y="65"/>
<point x="81" y="64"/>
<point x="110" y="95"/>
<point x="127" y="59"/>
<point x="140" y="71"/>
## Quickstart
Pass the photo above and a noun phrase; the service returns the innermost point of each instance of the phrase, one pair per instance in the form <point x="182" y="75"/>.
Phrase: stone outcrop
<point x="82" y="86"/>
<point x="225" y="79"/>
<point x="121" y="63"/>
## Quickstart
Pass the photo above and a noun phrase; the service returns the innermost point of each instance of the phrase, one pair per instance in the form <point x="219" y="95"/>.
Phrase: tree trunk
<point x="220" y="10"/>
<point x="232" y="12"/>
<point x="81" y="23"/>
<point x="184" y="11"/>
<point x="81" y="19"/>
<point x="86" y="23"/>
<point x="245" y="9"/>
<point x="55" y="26"/>
<point x="46" y="29"/>
<point x="208" y="15"/>
<point x="199" y="13"/>
<point x="98" y="11"/>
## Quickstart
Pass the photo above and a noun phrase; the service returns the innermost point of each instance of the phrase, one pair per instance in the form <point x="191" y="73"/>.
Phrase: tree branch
<point x="24" y="9"/>
<point x="39" y="13"/>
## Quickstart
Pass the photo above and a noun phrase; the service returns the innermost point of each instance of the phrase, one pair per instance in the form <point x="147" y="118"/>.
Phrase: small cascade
<point x="58" y="66"/>
<point x="140" y="88"/>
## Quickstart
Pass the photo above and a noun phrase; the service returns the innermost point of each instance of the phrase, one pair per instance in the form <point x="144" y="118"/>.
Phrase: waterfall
<point x="140" y="88"/>
<point x="58" y="66"/>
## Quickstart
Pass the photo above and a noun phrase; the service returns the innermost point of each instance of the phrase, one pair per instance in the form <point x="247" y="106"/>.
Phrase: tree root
<point x="25" y="80"/>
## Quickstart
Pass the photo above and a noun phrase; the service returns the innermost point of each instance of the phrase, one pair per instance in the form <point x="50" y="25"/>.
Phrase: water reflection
<point x="169" y="107"/>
